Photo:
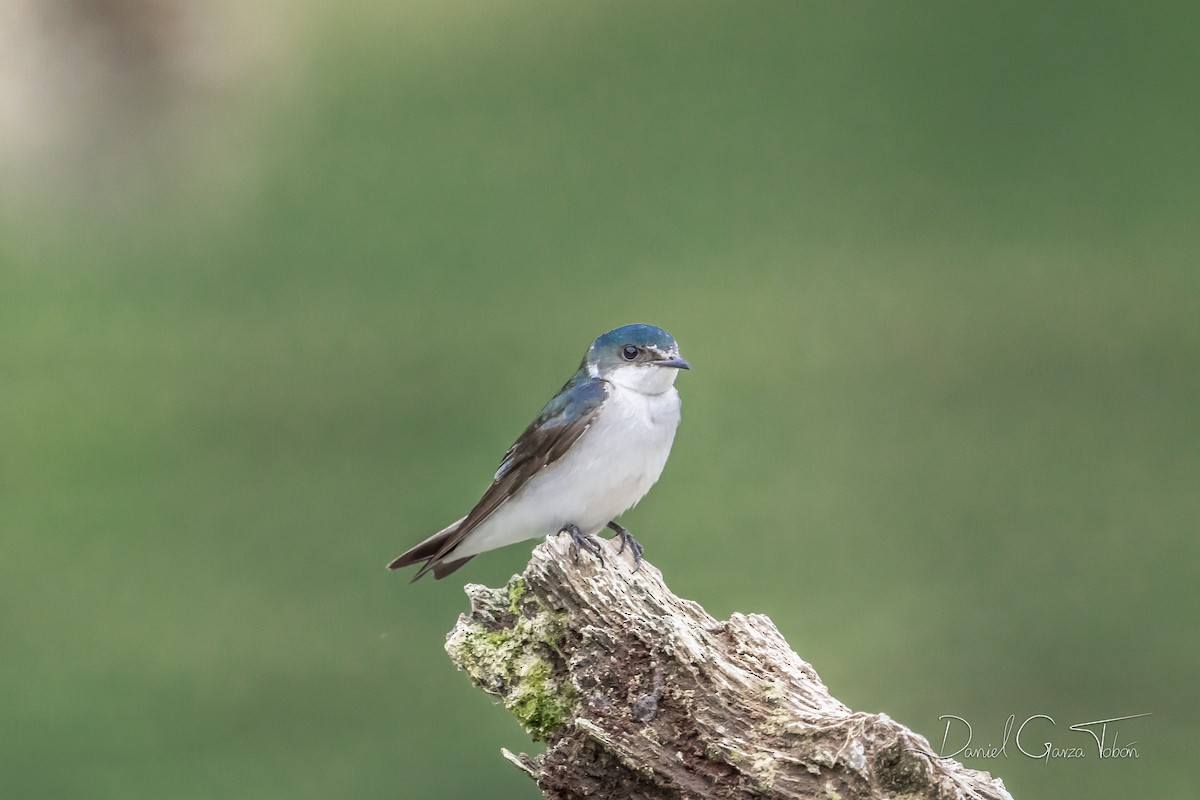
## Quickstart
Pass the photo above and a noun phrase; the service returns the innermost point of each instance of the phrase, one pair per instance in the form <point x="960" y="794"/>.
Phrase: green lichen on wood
<point x="516" y="592"/>
<point x="542" y="703"/>
<point x="509" y="650"/>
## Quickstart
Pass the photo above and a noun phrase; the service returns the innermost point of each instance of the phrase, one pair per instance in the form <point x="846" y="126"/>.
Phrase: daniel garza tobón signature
<point x="1031" y="739"/>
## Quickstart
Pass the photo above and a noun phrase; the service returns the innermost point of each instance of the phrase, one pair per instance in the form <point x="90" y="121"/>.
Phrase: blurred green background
<point x="936" y="268"/>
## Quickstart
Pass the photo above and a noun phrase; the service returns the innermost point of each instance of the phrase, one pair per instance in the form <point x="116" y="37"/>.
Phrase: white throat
<point x="644" y="378"/>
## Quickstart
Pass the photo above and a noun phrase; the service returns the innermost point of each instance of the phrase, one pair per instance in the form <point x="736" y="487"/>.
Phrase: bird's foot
<point x="580" y="541"/>
<point x="627" y="539"/>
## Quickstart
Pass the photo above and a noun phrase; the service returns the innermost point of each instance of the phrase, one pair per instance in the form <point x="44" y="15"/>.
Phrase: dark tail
<point x="427" y="551"/>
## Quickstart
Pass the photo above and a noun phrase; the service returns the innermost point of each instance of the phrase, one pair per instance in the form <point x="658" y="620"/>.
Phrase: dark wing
<point x="557" y="427"/>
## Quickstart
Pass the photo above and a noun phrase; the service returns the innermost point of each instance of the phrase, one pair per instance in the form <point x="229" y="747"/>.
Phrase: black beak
<point x="676" y="362"/>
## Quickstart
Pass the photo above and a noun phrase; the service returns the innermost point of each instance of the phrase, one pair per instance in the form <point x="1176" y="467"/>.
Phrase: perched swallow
<point x="589" y="456"/>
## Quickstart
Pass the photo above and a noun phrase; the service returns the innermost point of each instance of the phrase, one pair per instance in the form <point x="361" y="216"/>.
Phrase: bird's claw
<point x="626" y="538"/>
<point x="581" y="541"/>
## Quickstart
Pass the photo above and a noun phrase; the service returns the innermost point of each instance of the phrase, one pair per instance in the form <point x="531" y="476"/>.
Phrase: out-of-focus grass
<point x="936" y="270"/>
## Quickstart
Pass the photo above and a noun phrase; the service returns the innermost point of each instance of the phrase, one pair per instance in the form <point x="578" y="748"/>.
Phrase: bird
<point x="591" y="454"/>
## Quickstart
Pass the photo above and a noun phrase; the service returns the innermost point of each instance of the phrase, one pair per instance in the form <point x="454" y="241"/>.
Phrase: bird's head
<point x="639" y="357"/>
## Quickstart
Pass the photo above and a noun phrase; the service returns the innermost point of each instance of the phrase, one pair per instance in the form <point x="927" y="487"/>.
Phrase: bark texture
<point x="641" y="694"/>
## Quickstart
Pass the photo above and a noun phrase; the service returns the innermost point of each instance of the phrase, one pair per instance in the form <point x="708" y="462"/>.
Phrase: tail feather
<point x="443" y="568"/>
<point x="427" y="551"/>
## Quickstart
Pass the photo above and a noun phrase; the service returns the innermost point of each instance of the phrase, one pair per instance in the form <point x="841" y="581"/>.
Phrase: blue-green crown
<point x="606" y="352"/>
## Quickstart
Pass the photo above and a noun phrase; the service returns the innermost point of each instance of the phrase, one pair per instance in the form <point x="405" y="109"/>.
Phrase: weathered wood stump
<point x="640" y="694"/>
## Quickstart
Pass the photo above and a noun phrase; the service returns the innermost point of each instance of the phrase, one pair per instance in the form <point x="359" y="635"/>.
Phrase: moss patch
<point x="516" y="592"/>
<point x="515" y="659"/>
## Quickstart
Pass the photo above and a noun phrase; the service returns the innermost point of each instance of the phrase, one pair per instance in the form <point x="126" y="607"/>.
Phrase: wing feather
<point x="548" y="437"/>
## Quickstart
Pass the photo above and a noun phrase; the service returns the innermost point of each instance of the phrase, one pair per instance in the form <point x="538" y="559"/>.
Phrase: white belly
<point x="611" y="467"/>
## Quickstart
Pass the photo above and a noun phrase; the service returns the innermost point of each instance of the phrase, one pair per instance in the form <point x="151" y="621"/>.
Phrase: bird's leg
<point x="627" y="539"/>
<point x="579" y="540"/>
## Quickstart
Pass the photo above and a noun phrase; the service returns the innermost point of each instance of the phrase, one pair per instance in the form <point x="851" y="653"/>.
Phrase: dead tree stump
<point x="640" y="694"/>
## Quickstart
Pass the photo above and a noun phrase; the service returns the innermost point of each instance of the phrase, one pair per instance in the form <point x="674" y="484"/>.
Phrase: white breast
<point x="609" y="469"/>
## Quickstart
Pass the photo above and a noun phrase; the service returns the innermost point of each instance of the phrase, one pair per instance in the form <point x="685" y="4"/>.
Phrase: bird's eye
<point x="629" y="352"/>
